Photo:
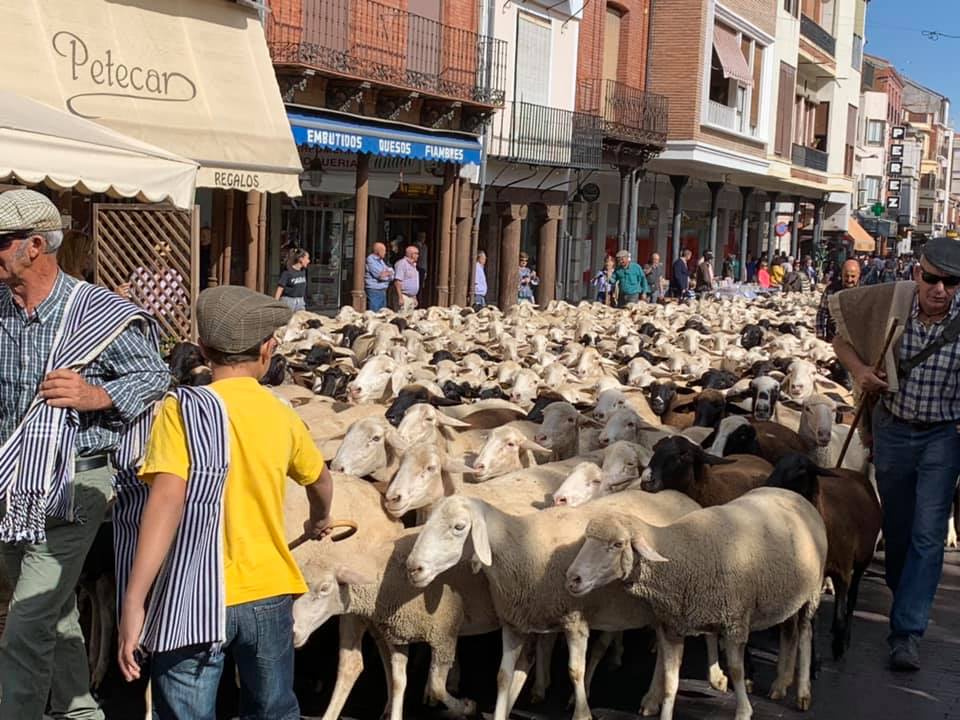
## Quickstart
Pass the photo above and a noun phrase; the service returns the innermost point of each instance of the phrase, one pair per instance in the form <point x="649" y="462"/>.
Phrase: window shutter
<point x="757" y="71"/>
<point x="782" y="145"/>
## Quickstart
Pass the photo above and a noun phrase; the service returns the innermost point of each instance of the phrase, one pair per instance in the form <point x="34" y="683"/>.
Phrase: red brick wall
<point x="633" y="42"/>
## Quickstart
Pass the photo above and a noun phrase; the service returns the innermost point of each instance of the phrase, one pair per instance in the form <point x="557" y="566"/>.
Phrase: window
<point x="736" y="70"/>
<point x="533" y="60"/>
<point x="923" y="216"/>
<point x="857" y="60"/>
<point x="875" y="132"/>
<point x="849" y="150"/>
<point x="869" y="190"/>
<point x="928" y="181"/>
<point x="788" y="76"/>
<point x="792" y="7"/>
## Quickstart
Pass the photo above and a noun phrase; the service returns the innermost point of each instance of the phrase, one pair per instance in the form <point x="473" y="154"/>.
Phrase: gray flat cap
<point x="944" y="254"/>
<point x="233" y="319"/>
<point x="623" y="253"/>
<point x="27" y="210"/>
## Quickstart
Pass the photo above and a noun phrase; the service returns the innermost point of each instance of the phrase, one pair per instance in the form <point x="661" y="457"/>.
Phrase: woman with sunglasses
<point x="916" y="443"/>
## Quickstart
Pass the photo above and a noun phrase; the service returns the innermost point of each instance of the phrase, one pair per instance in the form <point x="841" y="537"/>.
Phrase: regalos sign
<point x="108" y="76"/>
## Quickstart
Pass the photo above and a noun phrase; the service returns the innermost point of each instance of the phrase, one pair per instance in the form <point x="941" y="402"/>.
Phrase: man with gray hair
<point x="60" y="431"/>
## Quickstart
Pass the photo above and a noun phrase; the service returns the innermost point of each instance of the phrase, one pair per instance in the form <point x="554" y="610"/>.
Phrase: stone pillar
<point x="623" y="226"/>
<point x="462" y="260"/>
<point x="715" y="188"/>
<point x="513" y="214"/>
<point x="679" y="182"/>
<point x="360" y="232"/>
<point x="547" y="255"/>
<point x="745" y="193"/>
<point x="636" y="177"/>
<point x="253" y="237"/>
<point x="446" y="222"/>
<point x="772" y="230"/>
<point x="817" y="223"/>
<point x="795" y="230"/>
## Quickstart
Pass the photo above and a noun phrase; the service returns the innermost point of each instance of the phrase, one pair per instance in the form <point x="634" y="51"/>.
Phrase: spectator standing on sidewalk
<point x="630" y="281"/>
<point x="377" y="278"/>
<point x="654" y="275"/>
<point x="407" y="279"/>
<point x="849" y="278"/>
<point x="915" y="437"/>
<point x="528" y="280"/>
<point x="292" y="286"/>
<point x="603" y="283"/>
<point x="680" y="281"/>
<point x="705" y="274"/>
<point x="480" y="281"/>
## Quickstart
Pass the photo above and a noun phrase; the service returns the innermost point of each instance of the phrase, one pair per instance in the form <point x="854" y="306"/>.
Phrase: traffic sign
<point x="590" y="192"/>
<point x="781" y="229"/>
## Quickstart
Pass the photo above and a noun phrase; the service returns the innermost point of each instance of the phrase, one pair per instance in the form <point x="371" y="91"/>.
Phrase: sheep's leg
<point x="512" y="648"/>
<point x="383" y="649"/>
<point x="852" y="595"/>
<point x="541" y="680"/>
<point x="734" y="648"/>
<point x="577" y="638"/>
<point x="839" y="629"/>
<point x="398" y="678"/>
<point x="803" y="663"/>
<point x="650" y="705"/>
<point x="437" y="686"/>
<point x="520" y="671"/>
<point x="786" y="660"/>
<point x="718" y="681"/>
<point x="349" y="664"/>
<point x="670" y="653"/>
<point x="595" y="657"/>
<point x="616" y="657"/>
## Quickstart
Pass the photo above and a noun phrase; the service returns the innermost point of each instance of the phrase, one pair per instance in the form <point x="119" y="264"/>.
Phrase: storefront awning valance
<point x="862" y="242"/>
<point x="362" y="136"/>
<point x="40" y="144"/>
<point x="193" y="77"/>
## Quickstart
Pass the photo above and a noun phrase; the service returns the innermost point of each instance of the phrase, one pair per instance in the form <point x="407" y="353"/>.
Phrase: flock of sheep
<point x="578" y="469"/>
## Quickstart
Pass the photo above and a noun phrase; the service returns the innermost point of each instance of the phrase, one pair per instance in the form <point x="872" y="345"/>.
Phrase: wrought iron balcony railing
<point x="370" y="41"/>
<point x="627" y="113"/>
<point x="541" y="135"/>
<point x="810" y="158"/>
<point x="818" y="36"/>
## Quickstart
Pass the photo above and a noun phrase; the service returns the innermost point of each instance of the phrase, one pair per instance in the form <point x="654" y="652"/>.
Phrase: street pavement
<point x="858" y="687"/>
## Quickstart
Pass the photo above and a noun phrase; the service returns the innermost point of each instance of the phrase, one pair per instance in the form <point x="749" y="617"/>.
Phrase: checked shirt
<point x="131" y="372"/>
<point x="931" y="393"/>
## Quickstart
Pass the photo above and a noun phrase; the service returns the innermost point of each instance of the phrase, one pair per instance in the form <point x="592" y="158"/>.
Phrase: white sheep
<point x="694" y="586"/>
<point x="525" y="560"/>
<point x="561" y="429"/>
<point x="507" y="448"/>
<point x="623" y="463"/>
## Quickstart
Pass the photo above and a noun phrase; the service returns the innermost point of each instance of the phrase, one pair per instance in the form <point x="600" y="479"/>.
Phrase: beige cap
<point x="27" y="210"/>
<point x="232" y="319"/>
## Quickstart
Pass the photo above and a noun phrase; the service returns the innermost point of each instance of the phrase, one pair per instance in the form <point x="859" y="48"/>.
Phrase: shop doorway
<point x="327" y="234"/>
<point x="415" y="221"/>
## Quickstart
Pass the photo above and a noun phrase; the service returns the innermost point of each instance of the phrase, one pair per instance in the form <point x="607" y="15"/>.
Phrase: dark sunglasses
<point x="948" y="281"/>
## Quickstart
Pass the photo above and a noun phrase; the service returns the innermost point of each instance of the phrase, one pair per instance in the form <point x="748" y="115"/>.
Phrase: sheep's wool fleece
<point x="864" y="316"/>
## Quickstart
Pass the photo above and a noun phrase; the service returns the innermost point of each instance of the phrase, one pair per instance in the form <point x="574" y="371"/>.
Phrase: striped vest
<point x="187" y="604"/>
<point x="37" y="460"/>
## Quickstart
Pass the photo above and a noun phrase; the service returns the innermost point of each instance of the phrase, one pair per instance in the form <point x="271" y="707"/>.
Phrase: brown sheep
<point x="739" y="435"/>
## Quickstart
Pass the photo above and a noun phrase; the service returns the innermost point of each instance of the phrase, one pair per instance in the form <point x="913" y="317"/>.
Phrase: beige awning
<point x="731" y="57"/>
<point x="193" y="77"/>
<point x="40" y="144"/>
<point x="862" y="240"/>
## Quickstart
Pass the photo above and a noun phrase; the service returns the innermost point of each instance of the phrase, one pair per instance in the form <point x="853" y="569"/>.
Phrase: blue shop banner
<point x="358" y="136"/>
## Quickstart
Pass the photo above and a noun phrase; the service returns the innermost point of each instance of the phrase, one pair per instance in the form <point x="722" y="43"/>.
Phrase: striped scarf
<point x="37" y="460"/>
<point x="187" y="604"/>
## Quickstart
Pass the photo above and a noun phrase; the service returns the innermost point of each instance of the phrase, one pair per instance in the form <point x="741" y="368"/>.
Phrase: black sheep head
<point x="677" y="464"/>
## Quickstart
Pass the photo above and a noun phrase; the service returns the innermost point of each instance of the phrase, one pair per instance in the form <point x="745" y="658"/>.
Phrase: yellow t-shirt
<point x="268" y="442"/>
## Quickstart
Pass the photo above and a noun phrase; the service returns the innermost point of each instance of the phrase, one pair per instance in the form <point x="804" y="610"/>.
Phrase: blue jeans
<point x="917" y="471"/>
<point x="479" y="300"/>
<point x="260" y="636"/>
<point x="376" y="299"/>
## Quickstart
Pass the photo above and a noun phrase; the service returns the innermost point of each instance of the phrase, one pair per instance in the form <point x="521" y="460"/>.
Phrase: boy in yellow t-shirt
<point x="267" y="443"/>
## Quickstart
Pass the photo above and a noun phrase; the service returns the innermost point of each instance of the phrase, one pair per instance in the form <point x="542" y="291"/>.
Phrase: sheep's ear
<point x="458" y="466"/>
<point x="394" y="440"/>
<point x="536" y="447"/>
<point x="792" y="404"/>
<point x="349" y="576"/>
<point x="644" y="455"/>
<point x="583" y="420"/>
<point x="734" y="409"/>
<point x="452" y="422"/>
<point x="478" y="534"/>
<point x="645" y="550"/>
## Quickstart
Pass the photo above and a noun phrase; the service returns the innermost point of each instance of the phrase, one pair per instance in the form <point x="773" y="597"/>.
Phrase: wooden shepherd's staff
<point x="877" y="367"/>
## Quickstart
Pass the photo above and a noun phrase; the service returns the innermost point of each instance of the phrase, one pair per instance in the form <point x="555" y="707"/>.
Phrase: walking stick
<point x="877" y="366"/>
<point x="350" y="528"/>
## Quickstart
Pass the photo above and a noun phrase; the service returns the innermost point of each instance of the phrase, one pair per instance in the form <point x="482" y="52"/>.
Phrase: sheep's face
<point x="559" y="427"/>
<point x="418" y="481"/>
<point x="325" y="597"/>
<point x="443" y="541"/>
<point x="607" y="402"/>
<point x="420" y="424"/>
<point x="672" y="467"/>
<point x="727" y="434"/>
<point x="624" y="424"/>
<point x="371" y="382"/>
<point x="661" y="395"/>
<point x="525" y="386"/>
<point x="622" y="466"/>
<point x="364" y="447"/>
<point x="766" y="393"/>
<point x="816" y="421"/>
<point x="604" y="557"/>
<point x="582" y="485"/>
<point x="501" y="452"/>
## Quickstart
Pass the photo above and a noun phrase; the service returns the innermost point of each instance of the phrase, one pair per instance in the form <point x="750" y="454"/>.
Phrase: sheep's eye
<point x="618" y="545"/>
<point x="569" y="420"/>
<point x="630" y="464"/>
<point x="460" y="527"/>
<point x="595" y="482"/>
<point x="630" y="425"/>
<point x="376" y="438"/>
<point x="324" y="589"/>
<point x="511" y="444"/>
<point x="431" y="468"/>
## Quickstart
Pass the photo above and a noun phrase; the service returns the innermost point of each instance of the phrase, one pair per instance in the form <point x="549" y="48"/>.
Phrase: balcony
<point x="729" y="118"/>
<point x="818" y="36"/>
<point x="626" y="113"/>
<point x="809" y="158"/>
<point x="541" y="135"/>
<point x="367" y="41"/>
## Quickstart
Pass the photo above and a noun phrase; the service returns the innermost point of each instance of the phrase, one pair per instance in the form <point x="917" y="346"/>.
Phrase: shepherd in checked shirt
<point x="79" y="367"/>
<point x="916" y="424"/>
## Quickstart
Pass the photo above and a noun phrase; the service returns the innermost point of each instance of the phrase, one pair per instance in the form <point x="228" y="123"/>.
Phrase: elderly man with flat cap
<point x="915" y="423"/>
<point x="79" y="373"/>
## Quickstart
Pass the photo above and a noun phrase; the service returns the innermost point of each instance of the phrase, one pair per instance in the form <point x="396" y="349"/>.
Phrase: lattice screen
<point x="154" y="249"/>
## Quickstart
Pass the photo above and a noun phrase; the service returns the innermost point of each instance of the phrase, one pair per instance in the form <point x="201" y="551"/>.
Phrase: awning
<point x="193" y="77"/>
<point x="39" y="144"/>
<point x="353" y="134"/>
<point x="862" y="242"/>
<point x="731" y="57"/>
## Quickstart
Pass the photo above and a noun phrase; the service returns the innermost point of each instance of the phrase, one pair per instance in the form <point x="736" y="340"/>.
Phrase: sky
<point x="894" y="32"/>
